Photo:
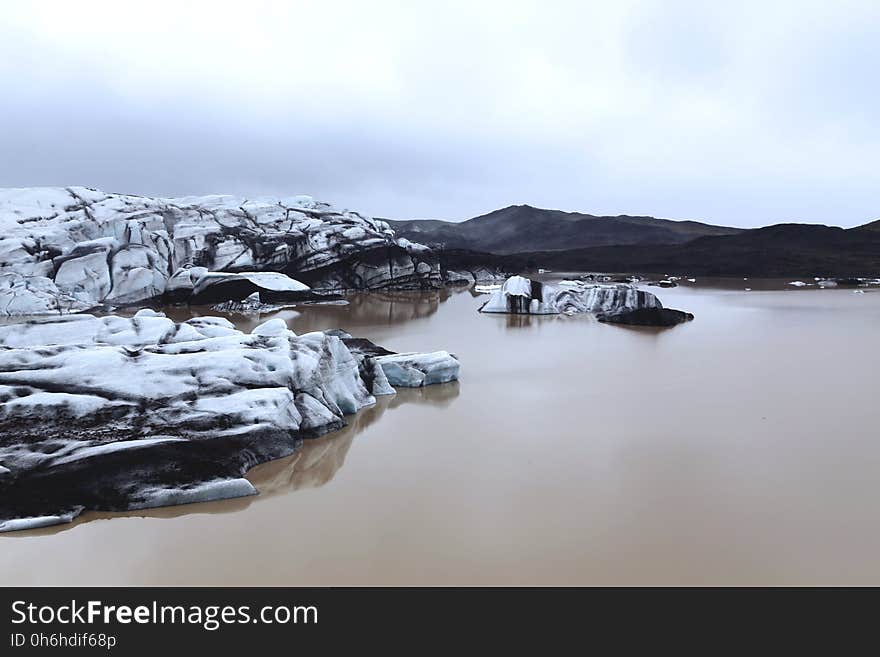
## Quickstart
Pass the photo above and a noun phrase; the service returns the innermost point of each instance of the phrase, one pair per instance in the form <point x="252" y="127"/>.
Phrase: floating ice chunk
<point x="519" y="295"/>
<point x="414" y="370"/>
<point x="798" y="283"/>
<point x="219" y="489"/>
<point x="36" y="522"/>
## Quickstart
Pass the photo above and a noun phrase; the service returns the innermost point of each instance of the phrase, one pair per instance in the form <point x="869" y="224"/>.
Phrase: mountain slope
<point x="520" y="228"/>
<point x="781" y="250"/>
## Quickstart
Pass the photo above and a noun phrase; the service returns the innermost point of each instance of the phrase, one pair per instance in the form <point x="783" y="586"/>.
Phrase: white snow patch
<point x="36" y="522"/>
<point x="219" y="489"/>
<point x="118" y="446"/>
<point x="272" y="327"/>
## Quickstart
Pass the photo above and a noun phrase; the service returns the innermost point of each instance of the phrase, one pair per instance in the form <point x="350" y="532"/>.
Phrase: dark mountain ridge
<point x="521" y="236"/>
<point x="783" y="250"/>
<point x="523" y="228"/>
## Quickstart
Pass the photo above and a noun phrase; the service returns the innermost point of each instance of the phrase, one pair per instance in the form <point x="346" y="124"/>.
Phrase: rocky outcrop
<point x="456" y="277"/>
<point x="460" y="267"/>
<point x="69" y="249"/>
<point x="119" y="413"/>
<point x="646" y="317"/>
<point x="616" y="303"/>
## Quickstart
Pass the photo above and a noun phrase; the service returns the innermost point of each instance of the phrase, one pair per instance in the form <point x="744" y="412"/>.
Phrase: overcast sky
<point x="743" y="113"/>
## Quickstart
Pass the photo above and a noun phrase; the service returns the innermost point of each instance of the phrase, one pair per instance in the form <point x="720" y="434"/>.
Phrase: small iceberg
<point x="615" y="303"/>
<point x="522" y="296"/>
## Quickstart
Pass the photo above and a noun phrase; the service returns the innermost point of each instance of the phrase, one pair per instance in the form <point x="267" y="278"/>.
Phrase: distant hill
<point x="874" y="225"/>
<point x="519" y="228"/>
<point x="782" y="250"/>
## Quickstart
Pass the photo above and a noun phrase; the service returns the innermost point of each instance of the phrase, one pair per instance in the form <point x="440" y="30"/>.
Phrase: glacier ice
<point x="120" y="413"/>
<point x="68" y="249"/>
<point x="520" y="295"/>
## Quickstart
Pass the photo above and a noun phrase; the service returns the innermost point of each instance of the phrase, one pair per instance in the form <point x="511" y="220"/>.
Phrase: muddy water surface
<point x="741" y="448"/>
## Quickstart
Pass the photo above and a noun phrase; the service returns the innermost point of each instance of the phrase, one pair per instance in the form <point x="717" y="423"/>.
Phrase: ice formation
<point x="130" y="412"/>
<point x="72" y="249"/>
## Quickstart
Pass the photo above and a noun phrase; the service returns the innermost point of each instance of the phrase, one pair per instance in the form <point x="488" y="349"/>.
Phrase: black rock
<point x="647" y="317"/>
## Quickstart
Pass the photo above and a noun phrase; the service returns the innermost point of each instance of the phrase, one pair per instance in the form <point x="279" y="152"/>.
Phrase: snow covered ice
<point x="120" y="413"/>
<point x="614" y="303"/>
<point x="68" y="249"/>
<point x="520" y="295"/>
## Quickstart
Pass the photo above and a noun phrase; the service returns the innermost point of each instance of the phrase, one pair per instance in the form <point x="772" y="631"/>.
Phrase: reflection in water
<point x="518" y="321"/>
<point x="393" y="307"/>
<point x="318" y="461"/>
<point x="314" y="464"/>
<point x="387" y="308"/>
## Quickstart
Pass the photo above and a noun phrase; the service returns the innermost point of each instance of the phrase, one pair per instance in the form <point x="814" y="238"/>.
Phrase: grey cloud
<point x="669" y="109"/>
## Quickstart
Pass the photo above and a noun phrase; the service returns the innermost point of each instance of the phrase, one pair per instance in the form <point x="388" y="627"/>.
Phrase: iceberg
<point x="69" y="249"/>
<point x="118" y="413"/>
<point x="522" y="296"/>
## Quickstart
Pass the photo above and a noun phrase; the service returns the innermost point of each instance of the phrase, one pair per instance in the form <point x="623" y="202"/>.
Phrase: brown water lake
<point x="740" y="448"/>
